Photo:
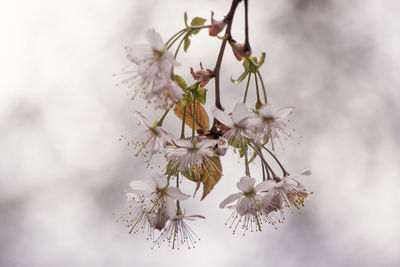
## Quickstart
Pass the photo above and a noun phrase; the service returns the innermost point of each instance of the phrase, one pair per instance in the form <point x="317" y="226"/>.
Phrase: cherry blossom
<point x="153" y="138"/>
<point x="238" y="123"/>
<point x="249" y="208"/>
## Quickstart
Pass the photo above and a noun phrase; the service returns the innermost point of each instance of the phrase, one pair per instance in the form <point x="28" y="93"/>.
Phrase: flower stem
<point x="179" y="46"/>
<point x="194" y="123"/>
<point x="263" y="87"/>
<point x="217" y="68"/>
<point x="258" y="103"/>
<point x="285" y="173"/>
<point x="263" y="159"/>
<point x="173" y="36"/>
<point x="246" y="159"/>
<point x="247" y="88"/>
<point x="160" y="122"/>
<point x="183" y="124"/>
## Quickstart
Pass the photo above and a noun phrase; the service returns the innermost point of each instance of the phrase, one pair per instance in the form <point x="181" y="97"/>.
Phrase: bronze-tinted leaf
<point x="202" y="122"/>
<point x="211" y="174"/>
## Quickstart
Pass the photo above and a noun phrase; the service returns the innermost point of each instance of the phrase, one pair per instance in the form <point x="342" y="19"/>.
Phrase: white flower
<point x="136" y="217"/>
<point x="178" y="233"/>
<point x="238" y="123"/>
<point x="154" y="61"/>
<point x="154" y="138"/>
<point x="249" y="208"/>
<point x="271" y="121"/>
<point x="151" y="69"/>
<point x="156" y="199"/>
<point x="165" y="93"/>
<point x="291" y="192"/>
<point x="187" y="156"/>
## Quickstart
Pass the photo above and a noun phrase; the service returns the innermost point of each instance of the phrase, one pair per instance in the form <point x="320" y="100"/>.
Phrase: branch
<point x="228" y="19"/>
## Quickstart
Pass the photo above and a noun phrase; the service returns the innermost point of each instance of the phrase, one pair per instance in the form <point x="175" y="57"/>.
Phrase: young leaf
<point x="186" y="44"/>
<point x="180" y="81"/>
<point x="262" y="59"/>
<point x="240" y="79"/>
<point x="211" y="174"/>
<point x="202" y="121"/>
<point x="185" y="17"/>
<point x="197" y="21"/>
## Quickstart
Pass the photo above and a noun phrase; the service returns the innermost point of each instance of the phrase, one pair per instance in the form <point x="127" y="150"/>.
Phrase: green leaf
<point x="197" y="21"/>
<point x="186" y="99"/>
<point x="262" y="59"/>
<point x="240" y="79"/>
<point x="201" y="95"/>
<point x="180" y="81"/>
<point x="186" y="44"/>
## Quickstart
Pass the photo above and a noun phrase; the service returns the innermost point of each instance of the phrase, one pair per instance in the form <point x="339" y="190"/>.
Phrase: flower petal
<point x="222" y="117"/>
<point x="160" y="180"/>
<point x="263" y="186"/>
<point x="240" y="113"/>
<point x="192" y="217"/>
<point x="176" y="193"/>
<point x="230" y="199"/>
<point x="246" y="184"/>
<point x="154" y="39"/>
<point x="140" y="185"/>
<point x="170" y="207"/>
<point x="284" y="112"/>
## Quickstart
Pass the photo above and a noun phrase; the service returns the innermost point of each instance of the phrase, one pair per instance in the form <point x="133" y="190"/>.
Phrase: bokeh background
<point x="63" y="170"/>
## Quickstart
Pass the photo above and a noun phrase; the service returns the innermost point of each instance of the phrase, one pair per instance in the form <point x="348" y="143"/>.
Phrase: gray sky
<point x="63" y="170"/>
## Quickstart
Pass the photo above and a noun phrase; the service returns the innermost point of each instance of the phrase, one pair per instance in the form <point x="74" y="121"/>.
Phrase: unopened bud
<point x="222" y="146"/>
<point x="217" y="26"/>
<point x="203" y="75"/>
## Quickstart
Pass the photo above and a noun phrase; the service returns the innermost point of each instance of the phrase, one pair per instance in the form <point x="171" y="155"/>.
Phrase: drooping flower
<point x="153" y="139"/>
<point x="154" y="198"/>
<point x="136" y="217"/>
<point x="217" y="25"/>
<point x="153" y="60"/>
<point x="249" y="208"/>
<point x="271" y="121"/>
<point x="239" y="50"/>
<point x="238" y="123"/>
<point x="178" y="233"/>
<point x="164" y="93"/>
<point x="290" y="191"/>
<point x="189" y="156"/>
<point x="203" y="75"/>
<point x="151" y="69"/>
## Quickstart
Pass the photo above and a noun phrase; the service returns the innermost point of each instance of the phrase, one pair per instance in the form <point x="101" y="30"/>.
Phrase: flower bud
<point x="222" y="146"/>
<point x="203" y="75"/>
<point x="217" y="26"/>
<point x="239" y="50"/>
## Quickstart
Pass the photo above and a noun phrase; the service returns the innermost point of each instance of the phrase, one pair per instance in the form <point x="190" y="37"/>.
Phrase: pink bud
<point x="217" y="26"/>
<point x="238" y="50"/>
<point x="203" y="75"/>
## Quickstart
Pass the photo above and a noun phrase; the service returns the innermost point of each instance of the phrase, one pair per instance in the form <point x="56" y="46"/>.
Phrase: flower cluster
<point x="155" y="204"/>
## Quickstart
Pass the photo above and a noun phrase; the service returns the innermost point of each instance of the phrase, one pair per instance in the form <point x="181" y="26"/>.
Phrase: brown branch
<point x="246" y="42"/>
<point x="228" y="19"/>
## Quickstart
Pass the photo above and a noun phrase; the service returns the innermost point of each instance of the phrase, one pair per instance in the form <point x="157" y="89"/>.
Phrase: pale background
<point x="63" y="170"/>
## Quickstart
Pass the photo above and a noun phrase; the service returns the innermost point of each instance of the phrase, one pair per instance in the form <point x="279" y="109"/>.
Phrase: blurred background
<point x="63" y="170"/>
